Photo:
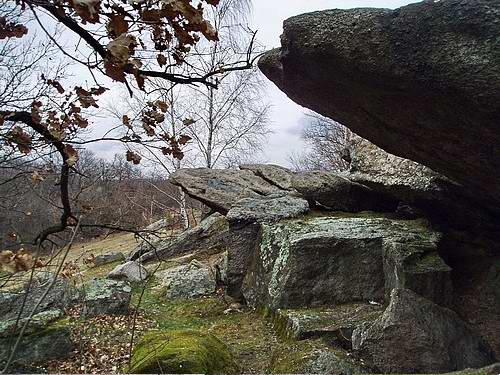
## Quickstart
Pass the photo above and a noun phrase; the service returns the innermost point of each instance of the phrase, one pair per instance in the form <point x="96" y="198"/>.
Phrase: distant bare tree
<point x="330" y="145"/>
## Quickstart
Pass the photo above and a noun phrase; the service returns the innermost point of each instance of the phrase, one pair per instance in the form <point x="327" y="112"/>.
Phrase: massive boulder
<point x="316" y="261"/>
<point x="420" y="81"/>
<point x="415" y="335"/>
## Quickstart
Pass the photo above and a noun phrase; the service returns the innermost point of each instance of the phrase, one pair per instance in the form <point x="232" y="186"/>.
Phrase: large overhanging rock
<point x="415" y="335"/>
<point x="421" y="81"/>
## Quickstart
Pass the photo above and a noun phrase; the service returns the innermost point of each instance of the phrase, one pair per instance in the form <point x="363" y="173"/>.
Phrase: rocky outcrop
<point x="49" y="342"/>
<point x="208" y="236"/>
<point x="335" y="323"/>
<point x="267" y="209"/>
<point x="335" y="259"/>
<point x="224" y="189"/>
<point x="435" y="102"/>
<point x="103" y="259"/>
<point x="415" y="335"/>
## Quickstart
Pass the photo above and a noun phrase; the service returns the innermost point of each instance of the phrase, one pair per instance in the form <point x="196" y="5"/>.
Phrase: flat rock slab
<point x="265" y="209"/>
<point x="220" y="189"/>
<point x="208" y="236"/>
<point x="335" y="322"/>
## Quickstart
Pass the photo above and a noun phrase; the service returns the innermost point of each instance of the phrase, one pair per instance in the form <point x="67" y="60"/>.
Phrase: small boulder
<point x="182" y="352"/>
<point x="130" y="271"/>
<point x="103" y="259"/>
<point x="414" y="335"/>
<point x="188" y="281"/>
<point x="106" y="297"/>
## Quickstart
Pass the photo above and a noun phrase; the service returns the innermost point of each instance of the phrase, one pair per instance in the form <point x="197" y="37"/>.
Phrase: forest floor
<point x="104" y="344"/>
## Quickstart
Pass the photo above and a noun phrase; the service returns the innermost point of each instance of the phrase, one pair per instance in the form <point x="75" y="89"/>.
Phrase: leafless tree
<point x="330" y="145"/>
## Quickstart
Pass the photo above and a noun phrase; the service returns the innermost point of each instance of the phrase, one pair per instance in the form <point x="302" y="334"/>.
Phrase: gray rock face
<point x="37" y="323"/>
<point x="188" y="281"/>
<point x="220" y="189"/>
<point x="436" y="102"/>
<point x="415" y="335"/>
<point x="61" y="295"/>
<point x="274" y="174"/>
<point x="101" y="260"/>
<point x="333" y="191"/>
<point x="329" y="260"/>
<point x="38" y="348"/>
<point x="130" y="271"/>
<point x="270" y="208"/>
<point x="242" y="243"/>
<point x="208" y="236"/>
<point x="106" y="297"/>
<point x="224" y="189"/>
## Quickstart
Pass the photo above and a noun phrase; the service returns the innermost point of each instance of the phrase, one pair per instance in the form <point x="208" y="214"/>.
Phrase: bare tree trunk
<point x="210" y="128"/>
<point x="183" y="207"/>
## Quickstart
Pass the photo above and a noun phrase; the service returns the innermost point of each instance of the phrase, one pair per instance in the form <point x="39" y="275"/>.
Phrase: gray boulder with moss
<point x="182" y="352"/>
<point x="317" y="261"/>
<point x="40" y="344"/>
<point x="106" y="297"/>
<point x="414" y="335"/>
<point x="61" y="294"/>
<point x="187" y="281"/>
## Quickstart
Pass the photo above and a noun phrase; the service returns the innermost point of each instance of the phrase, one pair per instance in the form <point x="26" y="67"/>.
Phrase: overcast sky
<point x="287" y="117"/>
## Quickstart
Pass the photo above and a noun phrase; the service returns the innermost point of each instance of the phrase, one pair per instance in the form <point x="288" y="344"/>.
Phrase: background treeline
<point x="114" y="192"/>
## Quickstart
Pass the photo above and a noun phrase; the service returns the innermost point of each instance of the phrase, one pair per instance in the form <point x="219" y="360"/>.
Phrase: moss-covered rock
<point x="53" y="342"/>
<point x="106" y="297"/>
<point x="182" y="352"/>
<point x="317" y="261"/>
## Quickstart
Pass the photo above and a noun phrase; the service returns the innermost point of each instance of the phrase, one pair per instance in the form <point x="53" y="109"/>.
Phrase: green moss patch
<point x="182" y="352"/>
